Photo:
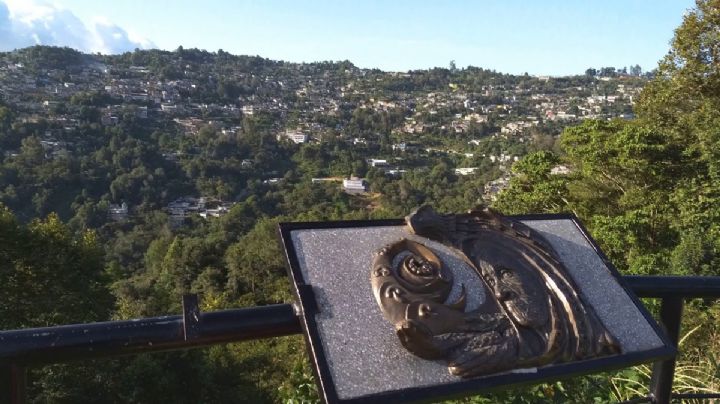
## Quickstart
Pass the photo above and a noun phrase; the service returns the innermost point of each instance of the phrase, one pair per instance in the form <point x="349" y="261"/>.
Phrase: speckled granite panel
<point x="360" y="345"/>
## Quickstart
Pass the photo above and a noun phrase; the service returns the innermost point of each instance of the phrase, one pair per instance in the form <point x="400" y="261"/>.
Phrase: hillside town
<point x="474" y="118"/>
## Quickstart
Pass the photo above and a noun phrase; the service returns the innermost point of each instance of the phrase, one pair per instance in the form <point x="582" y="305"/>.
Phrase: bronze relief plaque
<point x="536" y="315"/>
<point x="436" y="306"/>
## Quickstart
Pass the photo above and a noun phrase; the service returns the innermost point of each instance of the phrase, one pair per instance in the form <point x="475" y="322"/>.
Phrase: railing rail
<point x="27" y="347"/>
<point x="686" y="287"/>
<point x="113" y="338"/>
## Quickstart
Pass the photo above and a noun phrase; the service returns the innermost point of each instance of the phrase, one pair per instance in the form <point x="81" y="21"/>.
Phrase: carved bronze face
<point x="515" y="281"/>
<point x="539" y="315"/>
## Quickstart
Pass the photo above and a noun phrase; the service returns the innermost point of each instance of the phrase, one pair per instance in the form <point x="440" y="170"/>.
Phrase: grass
<point x="697" y="371"/>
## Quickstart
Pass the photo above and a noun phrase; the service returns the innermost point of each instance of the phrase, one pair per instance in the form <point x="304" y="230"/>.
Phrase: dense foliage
<point x="647" y="188"/>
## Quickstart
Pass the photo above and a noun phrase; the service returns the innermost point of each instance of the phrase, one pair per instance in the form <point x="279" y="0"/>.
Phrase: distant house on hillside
<point x="295" y="136"/>
<point x="181" y="207"/>
<point x="214" y="212"/>
<point x="404" y="146"/>
<point x="355" y="185"/>
<point x="118" y="212"/>
<point x="377" y="163"/>
<point x="169" y="108"/>
<point x="493" y="188"/>
<point x="272" y="181"/>
<point x="560" y="170"/>
<point x="324" y="179"/>
<point x="465" y="170"/>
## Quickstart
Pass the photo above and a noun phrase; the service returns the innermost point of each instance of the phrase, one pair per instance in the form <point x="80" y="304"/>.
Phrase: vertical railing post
<point x="12" y="383"/>
<point x="5" y="383"/>
<point x="664" y="372"/>
<point x="191" y="317"/>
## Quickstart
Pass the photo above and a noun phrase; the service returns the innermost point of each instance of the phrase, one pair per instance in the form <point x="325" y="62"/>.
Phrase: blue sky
<point x="512" y="36"/>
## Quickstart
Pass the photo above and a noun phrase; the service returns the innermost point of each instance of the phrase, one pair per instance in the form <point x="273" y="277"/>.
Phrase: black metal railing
<point x="673" y="291"/>
<point x="20" y="349"/>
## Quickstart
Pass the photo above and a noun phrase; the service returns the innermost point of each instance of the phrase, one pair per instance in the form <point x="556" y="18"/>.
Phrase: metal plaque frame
<point x="307" y="308"/>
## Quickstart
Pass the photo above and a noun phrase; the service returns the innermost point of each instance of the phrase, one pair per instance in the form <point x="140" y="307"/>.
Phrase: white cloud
<point x="26" y="23"/>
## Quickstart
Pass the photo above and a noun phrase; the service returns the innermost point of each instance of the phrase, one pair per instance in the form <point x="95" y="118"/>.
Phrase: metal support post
<point x="191" y="317"/>
<point x="12" y="383"/>
<point x="664" y="372"/>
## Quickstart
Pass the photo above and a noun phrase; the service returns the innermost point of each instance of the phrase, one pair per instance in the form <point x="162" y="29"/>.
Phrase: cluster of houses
<point x="179" y="209"/>
<point x="319" y="100"/>
<point x="204" y="207"/>
<point x="145" y="94"/>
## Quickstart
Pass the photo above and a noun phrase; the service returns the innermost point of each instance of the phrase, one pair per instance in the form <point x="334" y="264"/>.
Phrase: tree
<point x="31" y="152"/>
<point x="607" y="72"/>
<point x="683" y="101"/>
<point x="255" y="261"/>
<point x="48" y="276"/>
<point x="646" y="187"/>
<point x="6" y="118"/>
<point x="534" y="188"/>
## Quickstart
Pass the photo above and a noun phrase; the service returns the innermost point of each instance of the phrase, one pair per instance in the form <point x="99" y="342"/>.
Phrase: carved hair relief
<point x="536" y="314"/>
